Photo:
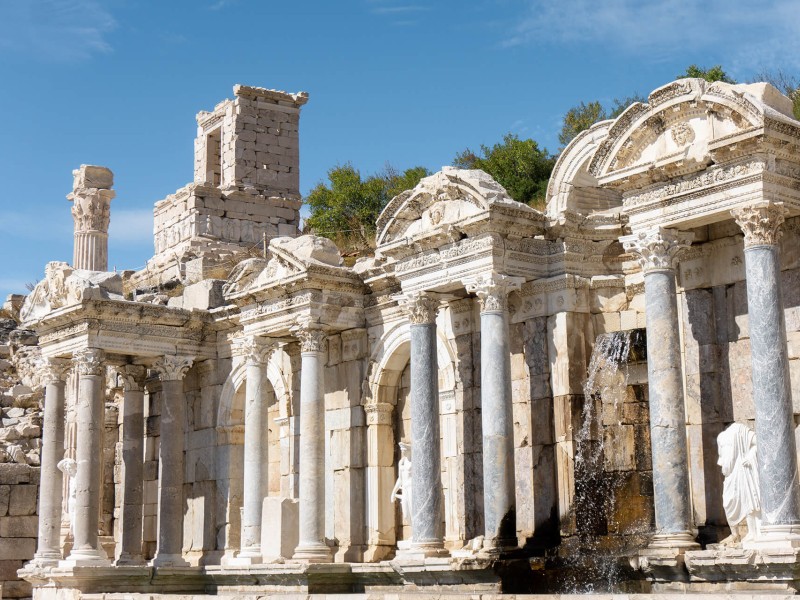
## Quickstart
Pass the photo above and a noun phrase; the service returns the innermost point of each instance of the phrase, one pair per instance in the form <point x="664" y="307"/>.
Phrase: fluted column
<point x="772" y="391"/>
<point x="169" y="547"/>
<point x="48" y="552"/>
<point x="426" y="476"/>
<point x="256" y="354"/>
<point x="657" y="250"/>
<point x="497" y="418"/>
<point x="90" y="419"/>
<point x="133" y="378"/>
<point x="312" y="546"/>
<point x="91" y="197"/>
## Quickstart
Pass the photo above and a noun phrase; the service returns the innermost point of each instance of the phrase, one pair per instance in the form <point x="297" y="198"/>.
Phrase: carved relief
<point x="761" y="223"/>
<point x="311" y="338"/>
<point x="421" y="307"/>
<point x="492" y="290"/>
<point x="657" y="248"/>
<point x="133" y="377"/>
<point x="53" y="370"/>
<point x="682" y="134"/>
<point x="173" y="368"/>
<point x="89" y="361"/>
<point x="254" y="350"/>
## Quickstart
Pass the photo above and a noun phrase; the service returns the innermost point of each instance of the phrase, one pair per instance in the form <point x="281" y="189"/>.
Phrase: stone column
<point x="772" y="391"/>
<point x="497" y="418"/>
<point x="256" y="354"/>
<point x="90" y="420"/>
<point x="426" y="477"/>
<point x="380" y="477"/>
<point x="48" y="552"/>
<point x="657" y="249"/>
<point x="91" y="197"/>
<point x="169" y="548"/>
<point x="133" y="377"/>
<point x="312" y="546"/>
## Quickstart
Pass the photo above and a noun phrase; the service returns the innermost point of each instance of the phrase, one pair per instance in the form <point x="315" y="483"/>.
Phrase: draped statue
<point x="741" y="496"/>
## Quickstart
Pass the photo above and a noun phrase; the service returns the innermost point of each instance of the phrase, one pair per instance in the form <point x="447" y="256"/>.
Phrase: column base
<point x="682" y="540"/>
<point x="169" y="560"/>
<point x="47" y="558"/>
<point x="422" y="550"/>
<point x="313" y="553"/>
<point x="248" y="556"/>
<point x="129" y="560"/>
<point x="497" y="546"/>
<point x="774" y="537"/>
<point x="85" y="557"/>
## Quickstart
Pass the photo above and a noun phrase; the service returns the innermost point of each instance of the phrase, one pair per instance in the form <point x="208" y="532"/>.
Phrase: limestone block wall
<point x="19" y="489"/>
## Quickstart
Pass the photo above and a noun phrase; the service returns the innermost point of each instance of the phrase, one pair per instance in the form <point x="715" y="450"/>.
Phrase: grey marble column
<point x="426" y="476"/>
<point x="657" y="250"/>
<point x="48" y="552"/>
<point x="256" y="354"/>
<point x="312" y="546"/>
<point x="497" y="418"/>
<point x="90" y="418"/>
<point x="130" y="543"/>
<point x="772" y="391"/>
<point x="169" y="548"/>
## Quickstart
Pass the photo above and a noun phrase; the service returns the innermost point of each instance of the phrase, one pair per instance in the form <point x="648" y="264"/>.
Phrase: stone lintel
<point x="297" y="99"/>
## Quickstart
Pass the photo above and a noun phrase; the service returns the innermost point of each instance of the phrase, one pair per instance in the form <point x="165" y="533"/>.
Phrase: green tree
<point x="346" y="208"/>
<point x="715" y="73"/>
<point x="581" y="117"/>
<point x="520" y="166"/>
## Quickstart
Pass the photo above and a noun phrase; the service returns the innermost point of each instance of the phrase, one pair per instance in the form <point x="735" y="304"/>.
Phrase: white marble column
<point x="48" y="552"/>
<point x="772" y="390"/>
<point x="169" y="548"/>
<point x="130" y="543"/>
<point x="90" y="369"/>
<point x="497" y="417"/>
<point x="312" y="546"/>
<point x="91" y="197"/>
<point x="426" y="476"/>
<point x="256" y="353"/>
<point x="657" y="249"/>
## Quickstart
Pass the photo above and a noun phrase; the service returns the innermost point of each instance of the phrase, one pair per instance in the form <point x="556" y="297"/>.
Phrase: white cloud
<point x="60" y="30"/>
<point x="751" y="33"/>
<point x="131" y="227"/>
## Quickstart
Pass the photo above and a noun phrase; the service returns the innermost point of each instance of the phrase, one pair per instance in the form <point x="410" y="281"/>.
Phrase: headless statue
<point x="402" y="488"/>
<point x="69" y="467"/>
<point x="741" y="496"/>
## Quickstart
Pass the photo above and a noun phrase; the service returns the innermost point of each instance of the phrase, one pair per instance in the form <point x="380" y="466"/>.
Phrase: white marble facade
<point x="269" y="396"/>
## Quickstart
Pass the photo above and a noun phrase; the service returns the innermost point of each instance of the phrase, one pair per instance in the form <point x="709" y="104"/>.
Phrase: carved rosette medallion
<point x="254" y="350"/>
<point x="492" y="290"/>
<point x="312" y="339"/>
<point x="54" y="370"/>
<point x="682" y="134"/>
<point x="89" y="361"/>
<point x="657" y="248"/>
<point x="379" y="413"/>
<point x="173" y="368"/>
<point x="133" y="377"/>
<point x="761" y="223"/>
<point x="421" y="307"/>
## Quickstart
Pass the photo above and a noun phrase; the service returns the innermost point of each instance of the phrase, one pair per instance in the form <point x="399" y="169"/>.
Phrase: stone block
<point x="619" y="447"/>
<point x="204" y="295"/>
<point x="17" y="548"/>
<point x="22" y="500"/>
<point x="280" y="527"/>
<point x="19" y="527"/>
<point x="5" y="494"/>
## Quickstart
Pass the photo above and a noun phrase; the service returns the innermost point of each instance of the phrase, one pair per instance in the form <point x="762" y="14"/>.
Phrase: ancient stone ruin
<point x="499" y="400"/>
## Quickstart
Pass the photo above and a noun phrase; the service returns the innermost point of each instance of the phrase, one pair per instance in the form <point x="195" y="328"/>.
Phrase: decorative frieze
<point x="173" y="368"/>
<point x="761" y="223"/>
<point x="657" y="248"/>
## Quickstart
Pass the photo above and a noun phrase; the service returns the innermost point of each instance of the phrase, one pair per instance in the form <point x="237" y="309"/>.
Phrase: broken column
<point x="91" y="197"/>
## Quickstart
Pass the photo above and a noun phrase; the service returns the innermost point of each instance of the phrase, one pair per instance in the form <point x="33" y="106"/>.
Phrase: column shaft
<point x="133" y="466"/>
<point x="255" y="461"/>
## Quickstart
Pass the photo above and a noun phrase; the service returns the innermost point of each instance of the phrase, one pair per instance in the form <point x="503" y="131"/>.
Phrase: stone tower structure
<point x="91" y="197"/>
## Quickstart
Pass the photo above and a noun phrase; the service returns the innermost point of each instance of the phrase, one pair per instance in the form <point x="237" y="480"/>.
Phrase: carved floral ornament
<point x="133" y="377"/>
<point x="311" y="337"/>
<point x="89" y="361"/>
<point x="492" y="290"/>
<point x="254" y="350"/>
<point x="54" y="370"/>
<point x="91" y="209"/>
<point x="761" y="223"/>
<point x="657" y="248"/>
<point x="173" y="368"/>
<point x="421" y="307"/>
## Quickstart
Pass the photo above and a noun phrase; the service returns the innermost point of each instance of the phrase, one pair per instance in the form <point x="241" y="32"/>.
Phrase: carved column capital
<point x="421" y="307"/>
<point x="761" y="223"/>
<point x="311" y="337"/>
<point x="492" y="290"/>
<point x="657" y="248"/>
<point x="89" y="361"/>
<point x="54" y="370"/>
<point x="254" y="350"/>
<point x="379" y="413"/>
<point x="133" y="377"/>
<point x="173" y="368"/>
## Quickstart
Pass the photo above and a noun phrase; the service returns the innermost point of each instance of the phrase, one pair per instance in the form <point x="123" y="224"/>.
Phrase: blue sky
<point x="117" y="83"/>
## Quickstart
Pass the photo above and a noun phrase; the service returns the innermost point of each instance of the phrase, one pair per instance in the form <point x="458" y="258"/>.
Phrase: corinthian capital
<point x="421" y="307"/>
<point x="54" y="370"/>
<point x="133" y="377"/>
<point x="173" y="368"/>
<point x="254" y="350"/>
<point x="760" y="223"/>
<point x="310" y="335"/>
<point x="89" y="361"/>
<point x="658" y="247"/>
<point x="492" y="290"/>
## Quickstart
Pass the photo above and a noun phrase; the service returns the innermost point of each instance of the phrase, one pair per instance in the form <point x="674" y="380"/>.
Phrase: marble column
<point x="91" y="197"/>
<point x="772" y="391"/>
<point x="426" y="476"/>
<point x="130" y="543"/>
<point x="497" y="418"/>
<point x="48" y="551"/>
<point x="312" y="546"/>
<point x="171" y="459"/>
<point x="256" y="354"/>
<point x="657" y="250"/>
<point x="90" y="369"/>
